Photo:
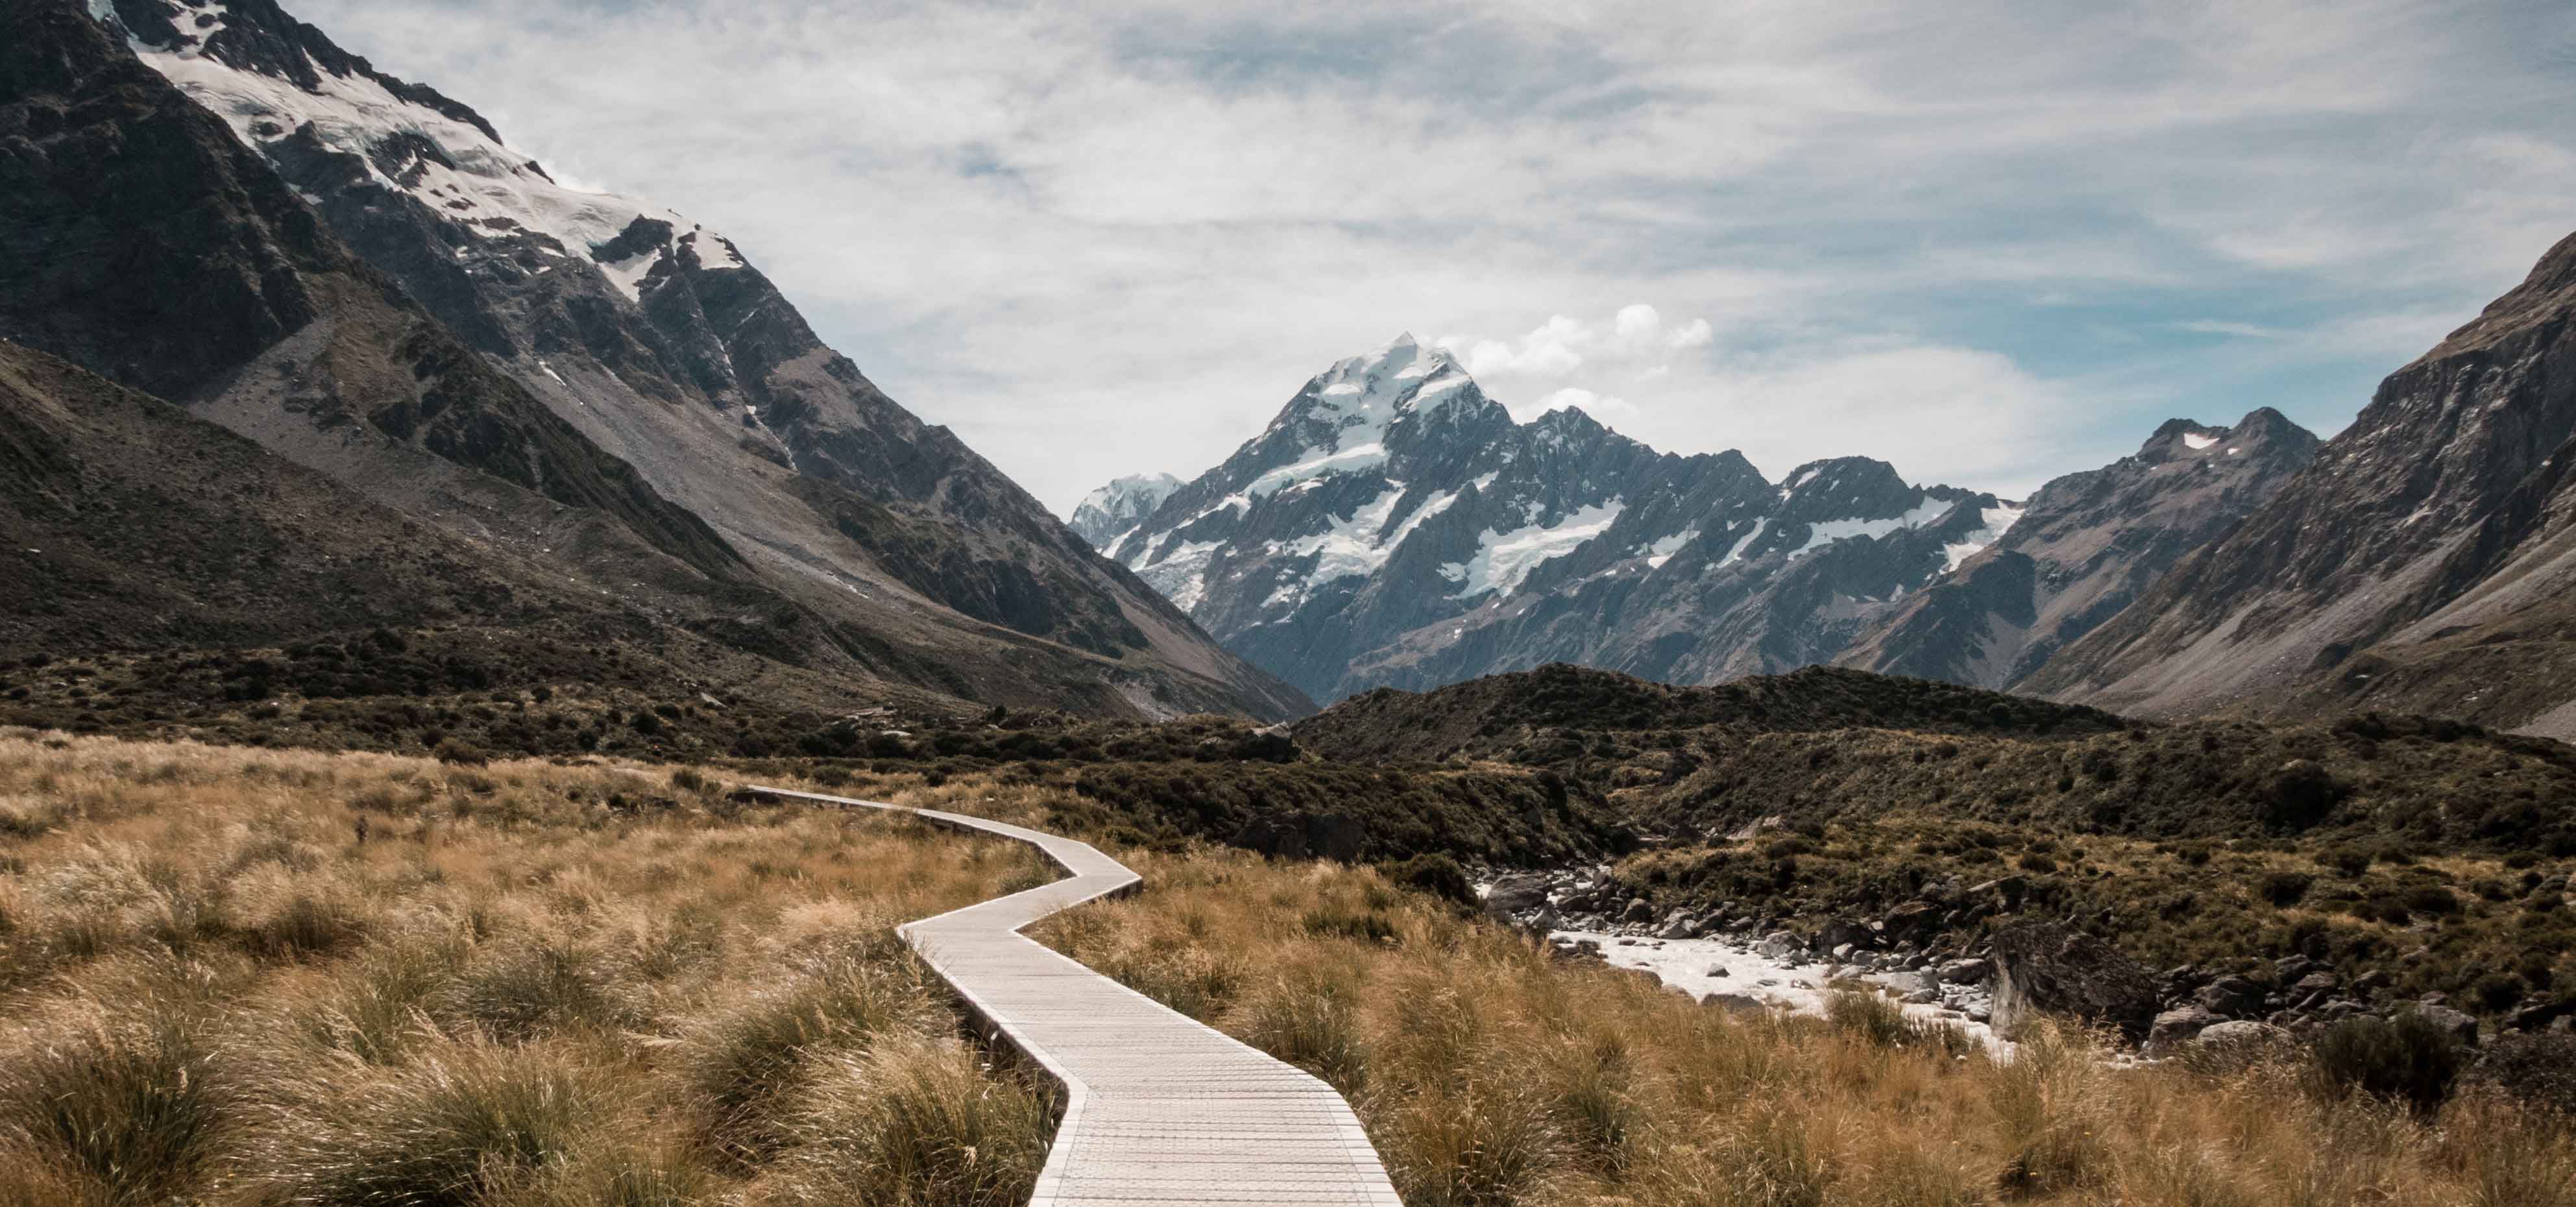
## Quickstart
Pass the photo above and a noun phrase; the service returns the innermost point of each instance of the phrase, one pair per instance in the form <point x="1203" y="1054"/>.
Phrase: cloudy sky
<point x="1988" y="242"/>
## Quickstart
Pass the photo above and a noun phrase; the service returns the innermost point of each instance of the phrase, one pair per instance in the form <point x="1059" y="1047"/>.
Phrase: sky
<point x="1987" y="242"/>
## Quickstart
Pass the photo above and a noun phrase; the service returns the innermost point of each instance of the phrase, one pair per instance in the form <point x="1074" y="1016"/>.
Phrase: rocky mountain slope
<point x="2087" y="545"/>
<point x="213" y="203"/>
<point x="148" y="556"/>
<point x="1395" y="526"/>
<point x="2423" y="562"/>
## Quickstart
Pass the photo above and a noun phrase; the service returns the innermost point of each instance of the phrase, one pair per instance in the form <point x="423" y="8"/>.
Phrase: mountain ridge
<point x="449" y="353"/>
<point x="1393" y="525"/>
<point x="2421" y="562"/>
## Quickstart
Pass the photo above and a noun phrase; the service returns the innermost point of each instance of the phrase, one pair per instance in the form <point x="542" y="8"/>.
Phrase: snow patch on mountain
<point x="1181" y="573"/>
<point x="1993" y="523"/>
<point x="1662" y="550"/>
<point x="473" y="180"/>
<point x="1736" y="554"/>
<point x="1826" y="532"/>
<point x="2196" y="442"/>
<point x="1504" y="559"/>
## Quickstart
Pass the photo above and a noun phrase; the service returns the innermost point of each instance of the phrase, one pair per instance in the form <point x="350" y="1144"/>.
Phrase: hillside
<point x="227" y="211"/>
<point x="1826" y="744"/>
<point x="2420" y="563"/>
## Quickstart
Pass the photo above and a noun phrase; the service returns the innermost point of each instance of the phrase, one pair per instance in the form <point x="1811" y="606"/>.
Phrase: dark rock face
<point x="1394" y="527"/>
<point x="2085" y="546"/>
<point x="2420" y="563"/>
<point x="356" y="272"/>
<point x="2050" y="968"/>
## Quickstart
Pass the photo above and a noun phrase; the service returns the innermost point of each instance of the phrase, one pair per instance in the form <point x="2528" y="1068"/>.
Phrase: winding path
<point x="1159" y="1108"/>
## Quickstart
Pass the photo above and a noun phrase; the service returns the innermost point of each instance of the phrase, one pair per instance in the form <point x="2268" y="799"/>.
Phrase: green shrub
<point x="2539" y="1069"/>
<point x="1435" y="874"/>
<point x="2286" y="889"/>
<point x="2407" y="1059"/>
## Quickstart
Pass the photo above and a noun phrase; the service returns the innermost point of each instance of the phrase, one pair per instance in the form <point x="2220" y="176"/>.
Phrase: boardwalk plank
<point x="1160" y="1109"/>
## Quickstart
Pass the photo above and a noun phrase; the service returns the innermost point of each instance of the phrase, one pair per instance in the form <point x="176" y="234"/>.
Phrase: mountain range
<point x="2425" y="561"/>
<point x="214" y="205"/>
<point x="1394" y="526"/>
<point x="428" y="386"/>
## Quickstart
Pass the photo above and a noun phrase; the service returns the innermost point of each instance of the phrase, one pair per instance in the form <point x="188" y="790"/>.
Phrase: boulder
<point x="1965" y="972"/>
<point x="2453" y="1023"/>
<point x="2173" y="1027"/>
<point x="2537" y="1016"/>
<point x="1679" y="926"/>
<point x="1516" y="891"/>
<point x="2288" y="969"/>
<point x="2231" y="997"/>
<point x="1909" y="918"/>
<point x="2316" y="982"/>
<point x="2050" y="968"/>
<point x="2236" y="1031"/>
<point x="1638" y="912"/>
<point x="2006" y="890"/>
<point x="1739" y="1002"/>
<point x="1779" y="945"/>
<point x="1842" y="932"/>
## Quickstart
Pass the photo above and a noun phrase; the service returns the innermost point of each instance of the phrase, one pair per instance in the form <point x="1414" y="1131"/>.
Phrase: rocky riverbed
<point x="1986" y="981"/>
<point x="1732" y="974"/>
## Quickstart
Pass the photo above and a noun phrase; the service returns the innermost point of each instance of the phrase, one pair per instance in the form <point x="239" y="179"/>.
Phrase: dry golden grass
<point x="236" y="976"/>
<point x="1490" y="1073"/>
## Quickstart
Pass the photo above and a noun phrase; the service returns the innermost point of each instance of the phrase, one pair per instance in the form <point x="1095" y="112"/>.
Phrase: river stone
<point x="2237" y="1031"/>
<point x="2175" y="1026"/>
<point x="2232" y="996"/>
<point x="1516" y="891"/>
<point x="2051" y="968"/>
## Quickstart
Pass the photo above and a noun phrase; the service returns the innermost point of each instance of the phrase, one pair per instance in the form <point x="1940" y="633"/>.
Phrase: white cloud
<point x="1606" y="408"/>
<point x="1937" y="413"/>
<point x="1101" y="237"/>
<point x="1635" y="340"/>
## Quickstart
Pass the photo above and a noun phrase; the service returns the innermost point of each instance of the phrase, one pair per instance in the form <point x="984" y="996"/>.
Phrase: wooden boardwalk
<point x="1160" y="1109"/>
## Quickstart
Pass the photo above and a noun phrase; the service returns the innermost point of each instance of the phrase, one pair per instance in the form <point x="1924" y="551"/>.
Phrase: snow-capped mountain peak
<point x="1111" y="512"/>
<point x="292" y="94"/>
<point x="1393" y="523"/>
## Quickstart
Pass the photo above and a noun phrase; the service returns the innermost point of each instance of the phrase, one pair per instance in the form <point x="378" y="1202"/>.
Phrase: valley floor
<point x="241" y="976"/>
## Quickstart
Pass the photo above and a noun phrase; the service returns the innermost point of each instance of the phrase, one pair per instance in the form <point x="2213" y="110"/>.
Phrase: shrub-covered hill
<point x="1531" y="716"/>
<point x="1821" y="745"/>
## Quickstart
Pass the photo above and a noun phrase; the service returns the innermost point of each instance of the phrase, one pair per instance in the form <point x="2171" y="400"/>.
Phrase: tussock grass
<point x="245" y="978"/>
<point x="1489" y="1072"/>
<point x="516" y="986"/>
<point x="913" y="1121"/>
